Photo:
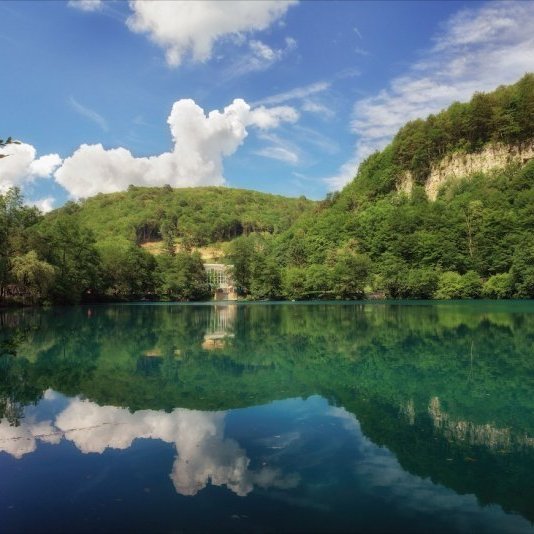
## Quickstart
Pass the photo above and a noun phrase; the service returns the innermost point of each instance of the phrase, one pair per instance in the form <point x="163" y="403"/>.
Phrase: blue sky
<point x="94" y="89"/>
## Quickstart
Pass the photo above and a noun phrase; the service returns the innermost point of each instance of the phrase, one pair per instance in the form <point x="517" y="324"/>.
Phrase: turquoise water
<point x="268" y="417"/>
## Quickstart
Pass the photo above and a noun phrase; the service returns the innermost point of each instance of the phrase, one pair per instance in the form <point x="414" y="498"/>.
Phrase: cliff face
<point x="460" y="166"/>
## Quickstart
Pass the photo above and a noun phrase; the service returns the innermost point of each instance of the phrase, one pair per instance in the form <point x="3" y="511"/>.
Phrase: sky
<point x="285" y="97"/>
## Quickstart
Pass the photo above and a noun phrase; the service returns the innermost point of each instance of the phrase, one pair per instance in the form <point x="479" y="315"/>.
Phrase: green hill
<point x="415" y="219"/>
<point x="202" y="215"/>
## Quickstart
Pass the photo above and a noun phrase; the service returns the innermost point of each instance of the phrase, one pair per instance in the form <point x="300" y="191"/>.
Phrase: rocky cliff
<point x="460" y="165"/>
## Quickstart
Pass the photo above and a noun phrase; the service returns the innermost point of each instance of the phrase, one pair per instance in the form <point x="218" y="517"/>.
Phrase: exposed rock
<point x="458" y="166"/>
<point x="405" y="184"/>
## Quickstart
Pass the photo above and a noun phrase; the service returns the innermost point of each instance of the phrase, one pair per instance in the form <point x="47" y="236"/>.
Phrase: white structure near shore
<point x="221" y="281"/>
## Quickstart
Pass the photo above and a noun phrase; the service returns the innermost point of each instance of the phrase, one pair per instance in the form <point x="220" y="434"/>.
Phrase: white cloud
<point x="316" y="139"/>
<point x="266" y="118"/>
<point x="21" y="165"/>
<point x="184" y="28"/>
<point x="89" y="113"/>
<point x="260" y="57"/>
<point x="200" y="143"/>
<point x="43" y="204"/>
<point x="295" y="94"/>
<point x="313" y="106"/>
<point x="477" y="49"/>
<point x="86" y="5"/>
<point x="280" y="153"/>
<point x="261" y="50"/>
<point x="344" y="174"/>
<point x="279" y="148"/>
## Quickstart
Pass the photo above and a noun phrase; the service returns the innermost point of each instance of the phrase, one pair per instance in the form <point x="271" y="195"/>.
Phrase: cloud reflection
<point x="203" y="456"/>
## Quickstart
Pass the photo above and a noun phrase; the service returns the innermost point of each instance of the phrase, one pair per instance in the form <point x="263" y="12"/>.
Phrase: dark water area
<point x="316" y="417"/>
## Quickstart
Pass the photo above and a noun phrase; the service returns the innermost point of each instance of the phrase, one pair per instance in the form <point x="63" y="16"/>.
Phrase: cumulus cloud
<point x="21" y="165"/>
<point x="43" y="204"/>
<point x="200" y="143"/>
<point x="86" y="5"/>
<point x="477" y="49"/>
<point x="184" y="28"/>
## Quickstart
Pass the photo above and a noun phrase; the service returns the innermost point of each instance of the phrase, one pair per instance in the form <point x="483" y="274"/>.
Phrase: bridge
<point x="221" y="281"/>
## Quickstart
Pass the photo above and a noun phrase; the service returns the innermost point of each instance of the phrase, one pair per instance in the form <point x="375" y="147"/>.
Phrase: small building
<point x="221" y="281"/>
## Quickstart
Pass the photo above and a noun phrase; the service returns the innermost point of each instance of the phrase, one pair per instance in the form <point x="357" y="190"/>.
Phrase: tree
<point x="522" y="270"/>
<point x="449" y="286"/>
<point x="168" y="231"/>
<point x="34" y="276"/>
<point x="294" y="283"/>
<point x="241" y="255"/>
<point x="183" y="277"/>
<point x="266" y="281"/>
<point x="350" y="274"/>
<point x="70" y="247"/>
<point x="128" y="270"/>
<point x="471" y="285"/>
<point x="15" y="219"/>
<point x="498" y="286"/>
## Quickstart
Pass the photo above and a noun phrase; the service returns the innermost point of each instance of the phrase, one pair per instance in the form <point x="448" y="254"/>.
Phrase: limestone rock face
<point x="460" y="166"/>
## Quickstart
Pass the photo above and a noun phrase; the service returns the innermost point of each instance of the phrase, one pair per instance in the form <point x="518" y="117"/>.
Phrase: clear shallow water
<point x="268" y="417"/>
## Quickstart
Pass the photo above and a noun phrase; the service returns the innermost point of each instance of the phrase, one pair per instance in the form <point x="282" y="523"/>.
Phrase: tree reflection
<point x="435" y="383"/>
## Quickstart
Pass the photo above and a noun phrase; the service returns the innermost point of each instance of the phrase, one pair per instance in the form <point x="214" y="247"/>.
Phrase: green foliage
<point x="523" y="269"/>
<point x="498" y="286"/>
<point x="35" y="277"/>
<point x="127" y="270"/>
<point x="472" y="229"/>
<point x="15" y="219"/>
<point x="266" y="278"/>
<point x="71" y="249"/>
<point x="200" y="215"/>
<point x="452" y="285"/>
<point x="471" y="285"/>
<point x="183" y="277"/>
<point x="294" y="283"/>
<point x="419" y="283"/>
<point x="350" y="274"/>
<point x="241" y="255"/>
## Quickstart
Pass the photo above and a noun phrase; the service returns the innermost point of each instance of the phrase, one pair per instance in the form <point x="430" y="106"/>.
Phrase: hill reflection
<point x="446" y="387"/>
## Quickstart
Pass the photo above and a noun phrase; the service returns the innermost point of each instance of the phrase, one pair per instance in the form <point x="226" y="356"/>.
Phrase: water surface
<point x="268" y="417"/>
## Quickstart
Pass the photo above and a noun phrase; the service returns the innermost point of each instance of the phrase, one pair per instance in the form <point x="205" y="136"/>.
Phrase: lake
<point x="268" y="417"/>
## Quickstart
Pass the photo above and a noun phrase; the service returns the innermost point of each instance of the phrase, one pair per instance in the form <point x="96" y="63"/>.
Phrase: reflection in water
<point x="220" y="327"/>
<point x="485" y="435"/>
<point x="443" y="393"/>
<point x="356" y="469"/>
<point x="203" y="454"/>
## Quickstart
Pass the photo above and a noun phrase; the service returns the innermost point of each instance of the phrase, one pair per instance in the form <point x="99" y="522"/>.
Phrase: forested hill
<point x="474" y="238"/>
<point x="198" y="216"/>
